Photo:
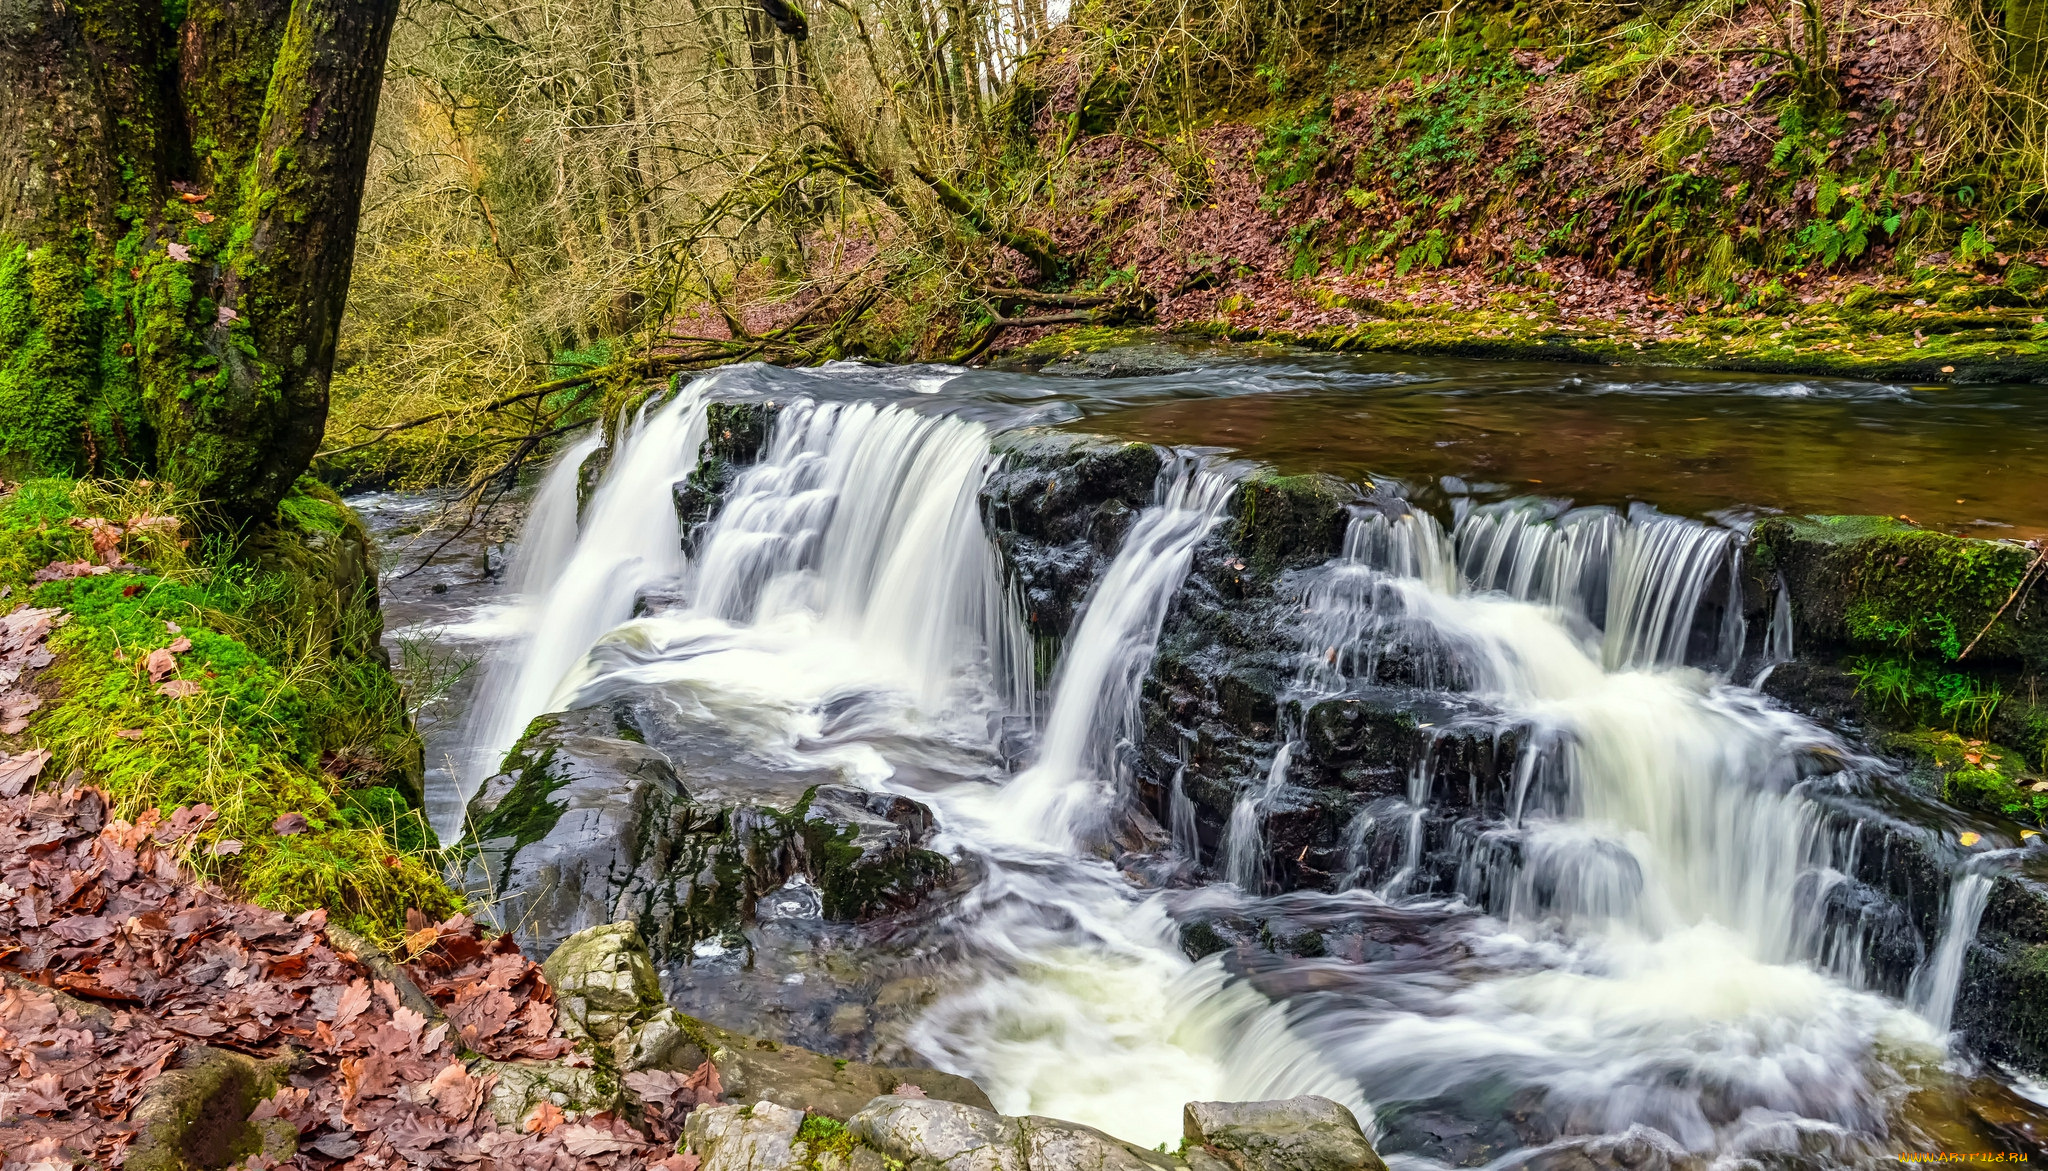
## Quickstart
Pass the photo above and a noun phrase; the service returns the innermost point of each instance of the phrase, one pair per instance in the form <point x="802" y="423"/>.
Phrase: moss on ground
<point x="292" y="710"/>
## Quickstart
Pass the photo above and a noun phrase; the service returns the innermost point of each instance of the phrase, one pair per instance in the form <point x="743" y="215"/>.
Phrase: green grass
<point x="295" y="711"/>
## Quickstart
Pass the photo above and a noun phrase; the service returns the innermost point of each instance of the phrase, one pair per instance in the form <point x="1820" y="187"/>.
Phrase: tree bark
<point x="179" y="187"/>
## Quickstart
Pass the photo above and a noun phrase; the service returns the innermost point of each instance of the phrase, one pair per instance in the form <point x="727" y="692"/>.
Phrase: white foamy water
<point x="1653" y="963"/>
<point x="1643" y="958"/>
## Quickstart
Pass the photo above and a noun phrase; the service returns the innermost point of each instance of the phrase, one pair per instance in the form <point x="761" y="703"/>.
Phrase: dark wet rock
<point x="735" y="435"/>
<point x="590" y="824"/>
<point x="1294" y="1134"/>
<point x="1058" y="506"/>
<point x="588" y="474"/>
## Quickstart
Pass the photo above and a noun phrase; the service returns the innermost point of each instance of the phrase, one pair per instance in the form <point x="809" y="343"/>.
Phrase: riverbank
<point x="1934" y="327"/>
<point x="241" y="677"/>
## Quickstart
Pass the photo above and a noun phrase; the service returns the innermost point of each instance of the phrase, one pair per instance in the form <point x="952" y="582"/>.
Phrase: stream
<point x="1619" y="964"/>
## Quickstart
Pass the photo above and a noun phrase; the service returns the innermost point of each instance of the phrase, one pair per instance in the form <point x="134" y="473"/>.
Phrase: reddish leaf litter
<point x="22" y="654"/>
<point x="101" y="910"/>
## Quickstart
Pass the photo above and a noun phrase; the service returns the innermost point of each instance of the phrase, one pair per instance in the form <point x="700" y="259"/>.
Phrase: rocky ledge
<point x="619" y="811"/>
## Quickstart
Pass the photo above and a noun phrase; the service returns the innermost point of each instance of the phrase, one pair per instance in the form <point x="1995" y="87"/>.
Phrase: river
<point x="1621" y="967"/>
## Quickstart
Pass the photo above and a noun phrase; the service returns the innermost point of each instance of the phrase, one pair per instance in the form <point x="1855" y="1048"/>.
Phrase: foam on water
<point x="1629" y="948"/>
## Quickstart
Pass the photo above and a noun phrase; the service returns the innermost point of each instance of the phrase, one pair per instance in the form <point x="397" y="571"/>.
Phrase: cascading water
<point x="1933" y="990"/>
<point x="1063" y="799"/>
<point x="845" y="611"/>
<point x="625" y="547"/>
<point x="1655" y="966"/>
<point x="1639" y="955"/>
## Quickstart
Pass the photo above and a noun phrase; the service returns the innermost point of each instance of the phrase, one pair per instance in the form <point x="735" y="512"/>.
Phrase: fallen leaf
<point x="1970" y="839"/>
<point x="179" y="252"/>
<point x="354" y="1002"/>
<point x="130" y="733"/>
<point x="289" y="824"/>
<point x="179" y="645"/>
<point x="159" y="663"/>
<point x="204" y="217"/>
<point x="906" y="1090"/>
<point x="224" y="848"/>
<point x="544" y="1119"/>
<point x="17" y="771"/>
<point x="584" y="1141"/>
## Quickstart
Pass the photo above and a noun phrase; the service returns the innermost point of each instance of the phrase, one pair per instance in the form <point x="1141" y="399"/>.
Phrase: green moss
<point x="1882" y="585"/>
<point x="1282" y="521"/>
<point x="524" y="815"/>
<point x="1976" y="774"/>
<point x="260" y="736"/>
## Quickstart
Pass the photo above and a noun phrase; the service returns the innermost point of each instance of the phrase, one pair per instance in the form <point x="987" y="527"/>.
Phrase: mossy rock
<point x="1285" y="522"/>
<point x="1878" y="584"/>
<point x="735" y="436"/>
<point x="197" y="1116"/>
<point x="588" y="826"/>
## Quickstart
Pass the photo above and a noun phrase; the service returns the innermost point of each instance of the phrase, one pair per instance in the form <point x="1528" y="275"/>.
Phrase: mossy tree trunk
<point x="179" y="185"/>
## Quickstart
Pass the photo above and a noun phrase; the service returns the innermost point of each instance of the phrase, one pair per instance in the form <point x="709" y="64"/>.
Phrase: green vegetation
<point x="1976" y="774"/>
<point x="290" y="710"/>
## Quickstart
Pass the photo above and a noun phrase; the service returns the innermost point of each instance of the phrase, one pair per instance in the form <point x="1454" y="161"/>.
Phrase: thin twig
<point x="2024" y="577"/>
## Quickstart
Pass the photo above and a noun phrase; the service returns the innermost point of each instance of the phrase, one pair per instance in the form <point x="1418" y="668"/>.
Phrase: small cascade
<point x="550" y="532"/>
<point x="1663" y="567"/>
<point x="867" y="518"/>
<point x="1932" y="992"/>
<point x="1244" y="840"/>
<point x="626" y="546"/>
<point x="1180" y="811"/>
<point x="1778" y="636"/>
<point x="1064" y="798"/>
<point x="1656" y="820"/>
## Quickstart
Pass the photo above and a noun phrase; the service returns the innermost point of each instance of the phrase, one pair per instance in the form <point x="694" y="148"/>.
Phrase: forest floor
<point x="121" y="963"/>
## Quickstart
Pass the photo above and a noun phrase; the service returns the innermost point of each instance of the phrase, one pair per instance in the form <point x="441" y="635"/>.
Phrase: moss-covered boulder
<point x="1876" y="584"/>
<point x="1287" y="522"/>
<point x="615" y="813"/>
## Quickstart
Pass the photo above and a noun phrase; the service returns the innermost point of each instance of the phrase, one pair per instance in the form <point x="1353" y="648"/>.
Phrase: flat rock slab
<point x="1293" y="1134"/>
<point x="759" y="1137"/>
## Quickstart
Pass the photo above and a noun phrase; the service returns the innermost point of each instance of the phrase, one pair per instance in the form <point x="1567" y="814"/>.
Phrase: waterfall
<point x="1180" y="812"/>
<point x="1064" y="797"/>
<point x="1777" y="636"/>
<point x="868" y="517"/>
<point x="1244" y="840"/>
<point x="549" y="534"/>
<point x="1932" y="992"/>
<point x="1637" y="940"/>
<point x="631" y="540"/>
<point x="1652" y="872"/>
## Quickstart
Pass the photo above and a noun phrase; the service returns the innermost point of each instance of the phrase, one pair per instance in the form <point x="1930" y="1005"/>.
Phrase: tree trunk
<point x="179" y="184"/>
